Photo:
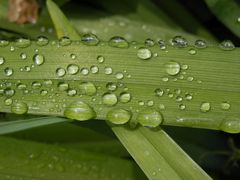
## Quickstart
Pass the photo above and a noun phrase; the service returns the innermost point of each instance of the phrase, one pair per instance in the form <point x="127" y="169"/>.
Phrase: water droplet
<point x="63" y="86"/>
<point x="179" y="41"/>
<point x="72" y="69"/>
<point x="150" y="103"/>
<point x="94" y="69"/>
<point x="179" y="99"/>
<point x="205" y="107"/>
<point x="162" y="44"/>
<point x="90" y="39"/>
<point x="125" y="97"/>
<point x="8" y="102"/>
<point x="109" y="99"/>
<point x="108" y="70"/>
<point x="8" y="71"/>
<point x="19" y="108"/>
<point x="118" y="42"/>
<point x="42" y="41"/>
<point x="87" y="88"/>
<point x="200" y="44"/>
<point x="9" y="92"/>
<point x="22" y="43"/>
<point x="111" y="86"/>
<point x="2" y="60"/>
<point x="159" y="92"/>
<point x="43" y="92"/>
<point x="119" y="75"/>
<point x="100" y="59"/>
<point x="238" y="19"/>
<point x="161" y="106"/>
<point x="190" y="78"/>
<point x="172" y="68"/>
<point x="47" y="83"/>
<point x="149" y="117"/>
<point x="188" y="97"/>
<point x="227" y="45"/>
<point x="23" y="56"/>
<point x="79" y="111"/>
<point x="36" y="85"/>
<point x="184" y="66"/>
<point x="231" y="125"/>
<point x="225" y="106"/>
<point x="60" y="72"/>
<point x="149" y="42"/>
<point x="73" y="56"/>
<point x="165" y="79"/>
<point x="182" y="106"/>
<point x="118" y="116"/>
<point x="12" y="48"/>
<point x="192" y="51"/>
<point x="3" y="43"/>
<point x="71" y="92"/>
<point x="84" y="71"/>
<point x="65" y="41"/>
<point x="144" y="53"/>
<point x="21" y="86"/>
<point x="38" y="59"/>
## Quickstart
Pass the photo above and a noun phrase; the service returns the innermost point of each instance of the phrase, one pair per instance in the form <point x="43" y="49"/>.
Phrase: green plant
<point x="155" y="77"/>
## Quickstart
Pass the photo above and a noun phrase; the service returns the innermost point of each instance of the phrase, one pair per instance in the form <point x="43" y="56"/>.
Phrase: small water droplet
<point x="188" y="97"/>
<point x="192" y="51"/>
<point x="19" y="108"/>
<point x="72" y="69"/>
<point x="162" y="44"/>
<point x="21" y="86"/>
<point x="84" y="71"/>
<point x="65" y="41"/>
<point x="94" y="69"/>
<point x="161" y="106"/>
<point x="73" y="56"/>
<point x="63" y="86"/>
<point x="2" y="60"/>
<point x="179" y="41"/>
<point x="36" y="85"/>
<point x="149" y="117"/>
<point x="172" y="68"/>
<point x="159" y="92"/>
<point x="125" y="97"/>
<point x="109" y="99"/>
<point x="118" y="42"/>
<point x="8" y="101"/>
<point x="149" y="42"/>
<point x="119" y="75"/>
<point x="80" y="111"/>
<point x="179" y="99"/>
<point x="60" y="72"/>
<point x="9" y="92"/>
<point x="231" y="125"/>
<point x="225" y="106"/>
<point x="184" y="67"/>
<point x="100" y="59"/>
<point x="71" y="92"/>
<point x="200" y="43"/>
<point x="23" y="56"/>
<point x="108" y="70"/>
<point x="90" y="39"/>
<point x="118" y="116"/>
<point x="4" y="42"/>
<point x="111" y="86"/>
<point x="87" y="88"/>
<point x="144" y="53"/>
<point x="38" y="59"/>
<point x="182" y="106"/>
<point x="42" y="41"/>
<point x="205" y="107"/>
<point x="227" y="45"/>
<point x="150" y="103"/>
<point x="8" y="71"/>
<point x="22" y="42"/>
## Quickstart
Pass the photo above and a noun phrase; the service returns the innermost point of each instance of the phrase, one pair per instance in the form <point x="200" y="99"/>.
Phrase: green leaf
<point x="228" y="12"/>
<point x="19" y="125"/>
<point x="30" y="160"/>
<point x="64" y="28"/>
<point x="158" y="155"/>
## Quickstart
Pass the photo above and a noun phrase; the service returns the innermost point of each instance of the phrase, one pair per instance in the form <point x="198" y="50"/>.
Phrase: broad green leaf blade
<point x="158" y="155"/>
<point x="228" y="12"/>
<point x="19" y="125"/>
<point x="64" y="28"/>
<point x="30" y="160"/>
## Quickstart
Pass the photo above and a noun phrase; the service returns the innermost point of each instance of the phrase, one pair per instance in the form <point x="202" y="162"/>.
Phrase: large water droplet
<point x="149" y="117"/>
<point x="8" y="71"/>
<point x="144" y="53"/>
<point x="90" y="39"/>
<point x="205" y="107"/>
<point x="87" y="88"/>
<point x="227" y="45"/>
<point x="179" y="41"/>
<point x="118" y="42"/>
<point x="125" y="97"/>
<point x="38" y="59"/>
<point x="42" y="41"/>
<point x="72" y="69"/>
<point x="109" y="99"/>
<point x="22" y="43"/>
<point x="118" y="116"/>
<point x="172" y="68"/>
<point x="19" y="108"/>
<point x="80" y="111"/>
<point x="65" y="41"/>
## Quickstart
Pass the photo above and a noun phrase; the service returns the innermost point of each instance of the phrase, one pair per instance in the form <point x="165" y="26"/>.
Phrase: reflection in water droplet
<point x="149" y="117"/>
<point x="19" y="108"/>
<point x="79" y="111"/>
<point x="172" y="68"/>
<point x="205" y="107"/>
<point x="118" y="116"/>
<point x="144" y="53"/>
